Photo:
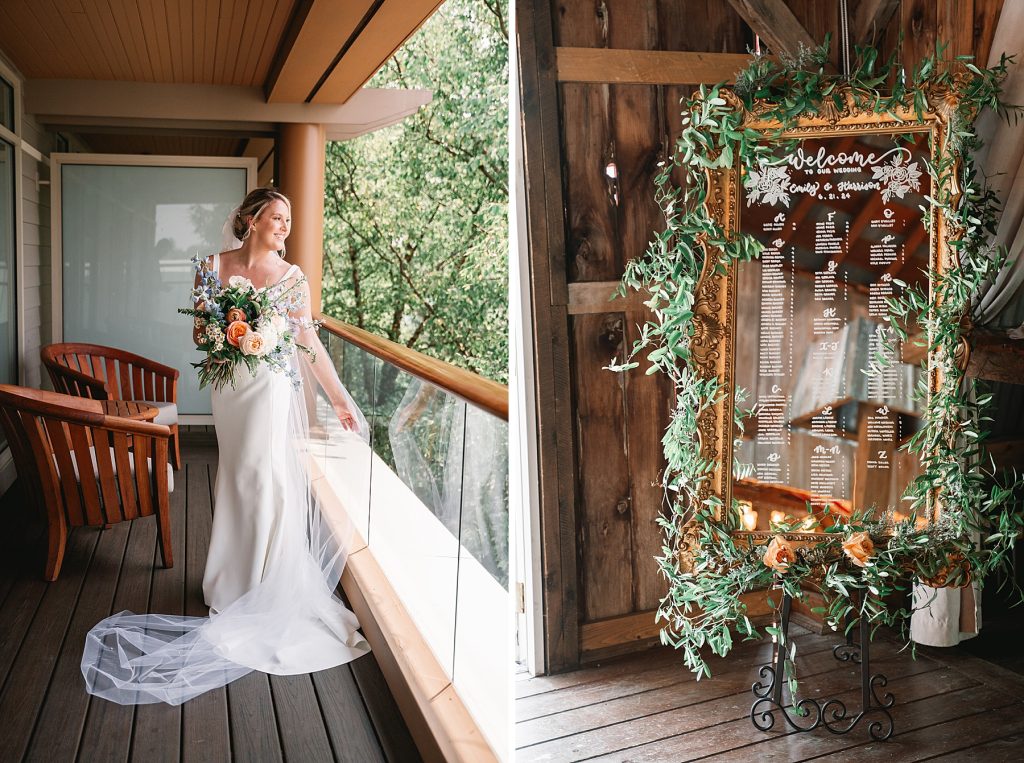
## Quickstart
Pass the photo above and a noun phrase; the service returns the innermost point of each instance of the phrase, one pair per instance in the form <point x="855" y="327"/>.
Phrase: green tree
<point x="416" y="236"/>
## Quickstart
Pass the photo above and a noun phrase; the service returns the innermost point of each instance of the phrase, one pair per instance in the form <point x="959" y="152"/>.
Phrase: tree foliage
<point x="415" y="223"/>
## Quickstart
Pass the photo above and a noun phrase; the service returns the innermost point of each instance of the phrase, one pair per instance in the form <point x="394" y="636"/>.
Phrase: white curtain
<point x="1002" y="161"/>
<point x="950" y="615"/>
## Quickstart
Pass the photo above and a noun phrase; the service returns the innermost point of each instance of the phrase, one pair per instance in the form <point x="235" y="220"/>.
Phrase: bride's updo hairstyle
<point x="252" y="206"/>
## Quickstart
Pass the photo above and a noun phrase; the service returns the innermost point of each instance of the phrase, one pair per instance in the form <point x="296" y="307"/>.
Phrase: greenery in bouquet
<point x="240" y="324"/>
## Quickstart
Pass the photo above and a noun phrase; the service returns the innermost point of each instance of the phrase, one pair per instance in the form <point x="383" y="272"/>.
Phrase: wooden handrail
<point x="473" y="388"/>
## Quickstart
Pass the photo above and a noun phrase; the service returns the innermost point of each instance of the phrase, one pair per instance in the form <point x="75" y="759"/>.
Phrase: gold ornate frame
<point x="713" y="342"/>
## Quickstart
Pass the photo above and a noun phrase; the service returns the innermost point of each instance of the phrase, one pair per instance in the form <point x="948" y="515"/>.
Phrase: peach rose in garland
<point x="253" y="343"/>
<point x="779" y="554"/>
<point x="235" y="314"/>
<point x="859" y="548"/>
<point x="236" y="330"/>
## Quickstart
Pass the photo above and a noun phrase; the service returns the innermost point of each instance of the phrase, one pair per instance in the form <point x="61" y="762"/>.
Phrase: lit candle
<point x="778" y="517"/>
<point x="748" y="517"/>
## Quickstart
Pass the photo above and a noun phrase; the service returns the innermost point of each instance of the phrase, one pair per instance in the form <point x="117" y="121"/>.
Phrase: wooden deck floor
<point x="950" y="706"/>
<point x="345" y="714"/>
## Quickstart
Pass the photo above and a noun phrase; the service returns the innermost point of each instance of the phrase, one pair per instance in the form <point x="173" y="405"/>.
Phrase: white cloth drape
<point x="950" y="615"/>
<point x="1002" y="162"/>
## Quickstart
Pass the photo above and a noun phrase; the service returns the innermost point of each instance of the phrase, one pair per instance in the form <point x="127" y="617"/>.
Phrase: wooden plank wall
<point x="608" y="139"/>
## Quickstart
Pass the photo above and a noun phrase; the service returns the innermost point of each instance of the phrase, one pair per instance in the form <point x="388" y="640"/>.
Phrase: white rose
<point x="236" y="281"/>
<point x="280" y="323"/>
<point x="253" y="343"/>
<point x="270" y="335"/>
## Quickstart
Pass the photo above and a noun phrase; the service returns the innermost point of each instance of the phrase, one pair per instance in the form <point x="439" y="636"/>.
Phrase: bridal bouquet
<point x="242" y="325"/>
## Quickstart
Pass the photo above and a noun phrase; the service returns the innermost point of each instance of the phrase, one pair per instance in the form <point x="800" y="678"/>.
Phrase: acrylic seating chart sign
<point x="842" y="227"/>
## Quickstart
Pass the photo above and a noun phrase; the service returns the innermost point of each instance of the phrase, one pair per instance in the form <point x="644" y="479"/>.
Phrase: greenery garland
<point x="865" y="559"/>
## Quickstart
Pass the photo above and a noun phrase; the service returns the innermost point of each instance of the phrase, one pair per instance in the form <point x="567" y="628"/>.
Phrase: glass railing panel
<point x="415" y="489"/>
<point x="483" y="624"/>
<point x="346" y="461"/>
<point x="436" y="482"/>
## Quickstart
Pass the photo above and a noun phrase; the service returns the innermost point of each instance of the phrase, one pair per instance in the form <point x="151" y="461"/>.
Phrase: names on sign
<point x="840" y="222"/>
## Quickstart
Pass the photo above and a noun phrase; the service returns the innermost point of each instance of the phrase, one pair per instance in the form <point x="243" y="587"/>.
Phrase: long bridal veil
<point x="291" y="622"/>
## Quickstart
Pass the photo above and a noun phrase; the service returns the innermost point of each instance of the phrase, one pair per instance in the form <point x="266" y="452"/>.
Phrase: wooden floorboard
<point x="303" y="735"/>
<point x="205" y="732"/>
<point x="156" y="733"/>
<point x="1003" y="750"/>
<point x="253" y="726"/>
<point x="29" y="677"/>
<point x="343" y="714"/>
<point x="108" y="724"/>
<point x="394" y="736"/>
<point x="949" y="706"/>
<point x="63" y="714"/>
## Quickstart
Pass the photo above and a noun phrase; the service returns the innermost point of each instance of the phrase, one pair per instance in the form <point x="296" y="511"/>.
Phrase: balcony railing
<point x="429" y="501"/>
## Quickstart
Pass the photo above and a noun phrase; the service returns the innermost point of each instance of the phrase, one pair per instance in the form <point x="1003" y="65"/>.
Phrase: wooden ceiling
<point x="294" y="51"/>
<point x="232" y="42"/>
<point x="312" y="51"/>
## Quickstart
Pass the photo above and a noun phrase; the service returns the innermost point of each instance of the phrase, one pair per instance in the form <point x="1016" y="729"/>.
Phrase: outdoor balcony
<point x="426" y="574"/>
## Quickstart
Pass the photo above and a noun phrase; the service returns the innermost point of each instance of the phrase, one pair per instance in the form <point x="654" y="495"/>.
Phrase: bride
<point x="275" y="558"/>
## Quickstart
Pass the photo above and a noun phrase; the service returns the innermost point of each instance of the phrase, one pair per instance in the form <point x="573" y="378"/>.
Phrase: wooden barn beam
<point x="646" y="67"/>
<point x="995" y="356"/>
<point x="871" y="19"/>
<point x="774" y="22"/>
<point x="545" y="207"/>
<point x="1007" y="452"/>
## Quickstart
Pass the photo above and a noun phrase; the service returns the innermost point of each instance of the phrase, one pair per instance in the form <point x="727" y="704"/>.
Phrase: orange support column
<point x="302" y="156"/>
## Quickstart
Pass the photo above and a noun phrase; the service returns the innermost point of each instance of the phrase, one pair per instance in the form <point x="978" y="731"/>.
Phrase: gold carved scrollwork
<point x="689" y="544"/>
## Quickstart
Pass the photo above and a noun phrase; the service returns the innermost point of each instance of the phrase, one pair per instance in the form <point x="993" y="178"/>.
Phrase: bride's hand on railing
<point x="346" y="417"/>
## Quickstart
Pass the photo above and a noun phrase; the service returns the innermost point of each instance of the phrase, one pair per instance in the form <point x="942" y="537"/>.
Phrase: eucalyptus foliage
<point x="703" y="606"/>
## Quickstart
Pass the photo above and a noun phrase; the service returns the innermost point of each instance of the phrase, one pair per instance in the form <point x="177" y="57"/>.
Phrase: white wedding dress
<point x="272" y="568"/>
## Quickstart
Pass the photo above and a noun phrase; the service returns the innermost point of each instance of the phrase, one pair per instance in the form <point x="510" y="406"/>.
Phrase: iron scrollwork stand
<point x="831" y="714"/>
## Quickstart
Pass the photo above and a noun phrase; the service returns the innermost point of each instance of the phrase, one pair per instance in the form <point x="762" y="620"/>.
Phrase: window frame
<point x="14" y="138"/>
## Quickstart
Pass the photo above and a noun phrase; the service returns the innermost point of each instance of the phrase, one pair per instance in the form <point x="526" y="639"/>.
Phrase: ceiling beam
<point x="241" y="111"/>
<point x="871" y="19"/>
<point x="774" y="22"/>
<point x="391" y="24"/>
<point x="318" y="32"/>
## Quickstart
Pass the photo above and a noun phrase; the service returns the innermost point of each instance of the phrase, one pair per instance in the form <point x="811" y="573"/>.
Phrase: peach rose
<point x="236" y="330"/>
<point x="253" y="343"/>
<point x="779" y="554"/>
<point x="859" y="548"/>
<point x="236" y="314"/>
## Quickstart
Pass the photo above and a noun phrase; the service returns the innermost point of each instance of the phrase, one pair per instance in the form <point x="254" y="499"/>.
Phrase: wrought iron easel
<point x="832" y="714"/>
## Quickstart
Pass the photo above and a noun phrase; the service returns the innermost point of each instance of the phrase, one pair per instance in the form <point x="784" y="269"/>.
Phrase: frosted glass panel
<point x="128" y="235"/>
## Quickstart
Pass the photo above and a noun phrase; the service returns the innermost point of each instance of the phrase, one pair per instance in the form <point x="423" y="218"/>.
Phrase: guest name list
<point x="835" y="218"/>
